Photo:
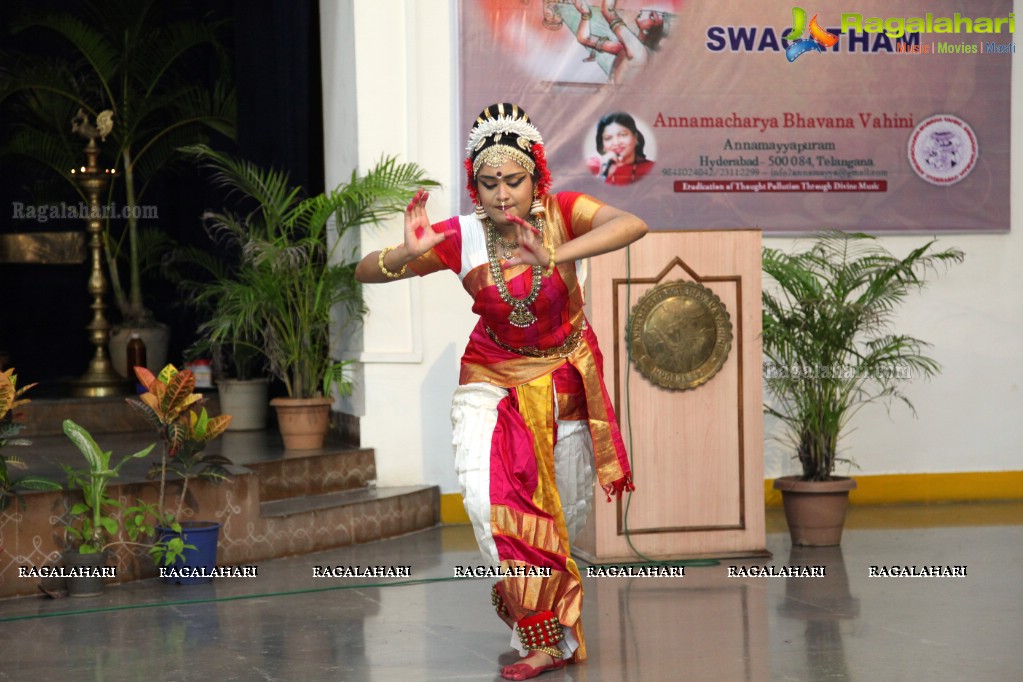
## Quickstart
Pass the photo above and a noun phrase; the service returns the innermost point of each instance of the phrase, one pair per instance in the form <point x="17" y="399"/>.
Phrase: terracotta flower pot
<point x="303" y="421"/>
<point x="815" y="510"/>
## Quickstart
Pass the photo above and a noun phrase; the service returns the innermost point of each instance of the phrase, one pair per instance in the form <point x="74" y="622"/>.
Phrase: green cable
<point x="628" y="405"/>
<point x="239" y="597"/>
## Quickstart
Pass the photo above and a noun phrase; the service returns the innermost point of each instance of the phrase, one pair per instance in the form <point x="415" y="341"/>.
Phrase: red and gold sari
<point x="531" y="401"/>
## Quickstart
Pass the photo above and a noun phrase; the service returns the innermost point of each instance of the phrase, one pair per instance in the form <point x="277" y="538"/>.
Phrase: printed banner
<point x="873" y="116"/>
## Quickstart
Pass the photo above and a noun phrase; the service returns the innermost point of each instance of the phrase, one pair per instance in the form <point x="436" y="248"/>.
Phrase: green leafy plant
<point x="171" y="406"/>
<point x="203" y="277"/>
<point x="829" y="347"/>
<point x="290" y="272"/>
<point x="94" y="525"/>
<point x="138" y="60"/>
<point x="11" y="487"/>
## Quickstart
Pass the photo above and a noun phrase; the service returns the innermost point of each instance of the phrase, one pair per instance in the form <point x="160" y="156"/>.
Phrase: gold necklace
<point x="521" y="315"/>
<point x="508" y="248"/>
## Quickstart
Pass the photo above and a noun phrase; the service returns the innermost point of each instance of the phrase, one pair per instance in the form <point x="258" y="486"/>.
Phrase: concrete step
<point x="312" y="523"/>
<point x="278" y="502"/>
<point x="335" y="468"/>
<point x="45" y="416"/>
<point x="311" y="503"/>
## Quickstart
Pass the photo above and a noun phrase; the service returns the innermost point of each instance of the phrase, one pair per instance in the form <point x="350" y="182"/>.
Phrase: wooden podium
<point x="697" y="454"/>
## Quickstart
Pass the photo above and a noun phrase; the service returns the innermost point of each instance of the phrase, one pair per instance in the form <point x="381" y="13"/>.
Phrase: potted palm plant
<point x="147" y="68"/>
<point x="829" y="350"/>
<point x="93" y="525"/>
<point x="171" y="406"/>
<point x="232" y="341"/>
<point x="292" y="276"/>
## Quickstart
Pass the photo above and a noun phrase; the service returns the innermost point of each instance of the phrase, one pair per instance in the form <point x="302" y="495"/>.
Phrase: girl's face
<point x="506" y="188"/>
<point x="620" y="141"/>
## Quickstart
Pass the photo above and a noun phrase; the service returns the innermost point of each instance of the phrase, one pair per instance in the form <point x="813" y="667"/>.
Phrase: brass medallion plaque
<point x="680" y="335"/>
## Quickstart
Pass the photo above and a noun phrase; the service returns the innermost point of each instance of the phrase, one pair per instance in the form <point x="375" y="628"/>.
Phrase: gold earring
<point x="536" y="208"/>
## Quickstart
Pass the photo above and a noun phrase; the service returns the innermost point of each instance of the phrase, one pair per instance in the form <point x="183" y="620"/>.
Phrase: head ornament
<point x="503" y="132"/>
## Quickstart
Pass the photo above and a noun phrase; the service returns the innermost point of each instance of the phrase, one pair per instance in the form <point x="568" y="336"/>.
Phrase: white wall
<point x="402" y="93"/>
<point x="404" y="96"/>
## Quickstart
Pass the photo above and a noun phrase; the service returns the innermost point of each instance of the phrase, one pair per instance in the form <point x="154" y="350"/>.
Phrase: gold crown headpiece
<point x="488" y="134"/>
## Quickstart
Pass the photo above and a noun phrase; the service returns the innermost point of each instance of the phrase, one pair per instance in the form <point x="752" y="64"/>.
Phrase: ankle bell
<point x="541" y="632"/>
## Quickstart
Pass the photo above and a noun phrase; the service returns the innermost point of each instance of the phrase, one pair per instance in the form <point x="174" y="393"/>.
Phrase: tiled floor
<point x="286" y="624"/>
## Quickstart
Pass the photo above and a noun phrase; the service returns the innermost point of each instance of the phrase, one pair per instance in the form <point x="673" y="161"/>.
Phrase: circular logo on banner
<point x="680" y="335"/>
<point x="943" y="149"/>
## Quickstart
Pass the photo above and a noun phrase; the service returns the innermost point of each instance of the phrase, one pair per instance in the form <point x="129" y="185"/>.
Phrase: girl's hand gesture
<point x="532" y="250"/>
<point x="419" y="238"/>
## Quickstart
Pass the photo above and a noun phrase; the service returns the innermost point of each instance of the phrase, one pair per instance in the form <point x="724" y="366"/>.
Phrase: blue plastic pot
<point x="199" y="561"/>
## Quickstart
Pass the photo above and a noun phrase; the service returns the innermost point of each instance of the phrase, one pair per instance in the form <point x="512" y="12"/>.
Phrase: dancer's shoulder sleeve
<point x="444" y="256"/>
<point x="578" y="211"/>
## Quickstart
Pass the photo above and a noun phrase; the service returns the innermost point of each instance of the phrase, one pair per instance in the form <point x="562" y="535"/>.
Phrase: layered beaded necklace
<point x="521" y="315"/>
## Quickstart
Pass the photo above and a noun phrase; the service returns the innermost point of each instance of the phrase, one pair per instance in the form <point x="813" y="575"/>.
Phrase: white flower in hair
<point x="502" y="125"/>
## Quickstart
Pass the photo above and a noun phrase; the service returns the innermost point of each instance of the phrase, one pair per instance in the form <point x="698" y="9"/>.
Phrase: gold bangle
<point x="550" y="264"/>
<point x="383" y="268"/>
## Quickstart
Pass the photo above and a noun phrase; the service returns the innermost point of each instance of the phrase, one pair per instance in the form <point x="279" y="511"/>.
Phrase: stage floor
<point x="286" y="624"/>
